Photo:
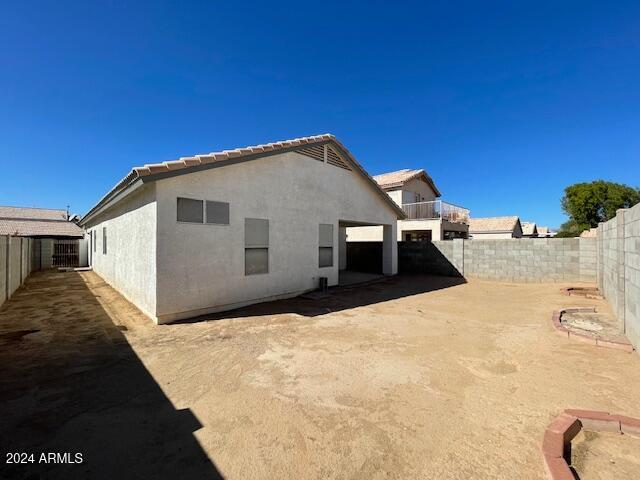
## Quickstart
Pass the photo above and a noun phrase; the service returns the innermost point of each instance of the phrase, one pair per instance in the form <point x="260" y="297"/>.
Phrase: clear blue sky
<point x="503" y="103"/>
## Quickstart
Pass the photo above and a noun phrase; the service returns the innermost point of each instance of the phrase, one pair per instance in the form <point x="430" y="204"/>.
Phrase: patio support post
<point x="390" y="249"/>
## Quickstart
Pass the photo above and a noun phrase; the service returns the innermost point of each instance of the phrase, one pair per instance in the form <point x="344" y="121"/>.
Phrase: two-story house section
<point x="428" y="217"/>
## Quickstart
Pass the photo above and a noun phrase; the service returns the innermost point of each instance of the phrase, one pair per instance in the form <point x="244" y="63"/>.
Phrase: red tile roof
<point x="400" y="177"/>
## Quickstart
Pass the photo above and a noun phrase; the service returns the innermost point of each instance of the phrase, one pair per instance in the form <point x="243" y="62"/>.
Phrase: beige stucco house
<point x="546" y="232"/>
<point x="529" y="229"/>
<point x="221" y="230"/>
<point x="427" y="217"/>
<point x="495" y="228"/>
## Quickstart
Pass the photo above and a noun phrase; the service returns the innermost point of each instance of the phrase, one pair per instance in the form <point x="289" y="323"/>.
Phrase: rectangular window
<point x="93" y="240"/>
<point x="104" y="240"/>
<point x="325" y="242"/>
<point x="256" y="246"/>
<point x="217" y="213"/>
<point x="190" y="210"/>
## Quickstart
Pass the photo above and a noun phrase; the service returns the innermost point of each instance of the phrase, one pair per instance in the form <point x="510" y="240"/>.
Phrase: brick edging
<point x="556" y="444"/>
<point x="583" y="337"/>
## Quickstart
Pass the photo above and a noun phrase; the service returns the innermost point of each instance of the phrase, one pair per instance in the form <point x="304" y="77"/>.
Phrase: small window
<point x="256" y="246"/>
<point x="217" y="213"/>
<point x="190" y="210"/>
<point x="325" y="241"/>
<point x="104" y="240"/>
<point x="256" y="261"/>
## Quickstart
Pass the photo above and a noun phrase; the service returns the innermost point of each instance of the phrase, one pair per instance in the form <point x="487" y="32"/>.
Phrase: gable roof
<point x="37" y="222"/>
<point x="493" y="224"/>
<point x="400" y="177"/>
<point x="529" y="228"/>
<point x="339" y="156"/>
<point x="31" y="213"/>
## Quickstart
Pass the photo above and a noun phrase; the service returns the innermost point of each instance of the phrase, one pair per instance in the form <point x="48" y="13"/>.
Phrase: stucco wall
<point x="130" y="262"/>
<point x="201" y="267"/>
<point x="619" y="269"/>
<point x="374" y="234"/>
<point x="417" y="186"/>
<point x="396" y="196"/>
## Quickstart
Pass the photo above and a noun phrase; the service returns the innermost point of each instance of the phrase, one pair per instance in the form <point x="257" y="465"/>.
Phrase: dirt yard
<point x="415" y="377"/>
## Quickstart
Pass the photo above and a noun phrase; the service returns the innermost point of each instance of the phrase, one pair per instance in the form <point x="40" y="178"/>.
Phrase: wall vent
<point x="315" y="151"/>
<point x="335" y="159"/>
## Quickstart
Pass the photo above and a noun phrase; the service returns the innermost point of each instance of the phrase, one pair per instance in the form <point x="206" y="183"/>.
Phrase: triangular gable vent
<point x="334" y="159"/>
<point x="317" y="152"/>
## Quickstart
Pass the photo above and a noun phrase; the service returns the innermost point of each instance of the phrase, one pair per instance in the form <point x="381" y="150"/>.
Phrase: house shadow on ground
<point x="71" y="383"/>
<point x="342" y="298"/>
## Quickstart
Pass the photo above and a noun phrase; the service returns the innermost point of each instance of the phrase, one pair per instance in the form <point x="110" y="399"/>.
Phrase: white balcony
<point x="436" y="209"/>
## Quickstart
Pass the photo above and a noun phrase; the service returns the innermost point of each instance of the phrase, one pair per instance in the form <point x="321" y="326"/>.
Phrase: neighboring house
<point x="544" y="232"/>
<point x="495" y="227"/>
<point x="590" y="233"/>
<point x="58" y="238"/>
<point x="221" y="230"/>
<point x="428" y="218"/>
<point x="529" y="230"/>
<point x="37" y="223"/>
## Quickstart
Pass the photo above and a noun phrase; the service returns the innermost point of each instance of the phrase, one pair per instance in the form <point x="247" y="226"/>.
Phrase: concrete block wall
<point x="435" y="258"/>
<point x="509" y="260"/>
<point x="531" y="259"/>
<point x="17" y="261"/>
<point x="4" y="241"/>
<point x="619" y="269"/>
<point x="14" y="260"/>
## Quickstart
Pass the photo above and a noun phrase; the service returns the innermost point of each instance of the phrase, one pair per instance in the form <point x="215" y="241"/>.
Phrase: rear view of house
<point x="222" y="230"/>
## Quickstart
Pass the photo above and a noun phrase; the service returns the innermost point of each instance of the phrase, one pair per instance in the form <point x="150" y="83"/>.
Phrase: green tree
<point x="587" y="204"/>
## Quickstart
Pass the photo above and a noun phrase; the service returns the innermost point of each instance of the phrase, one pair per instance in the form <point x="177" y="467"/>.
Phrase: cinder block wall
<point x="435" y="258"/>
<point x="619" y="269"/>
<point x="510" y="260"/>
<point x="3" y="268"/>
<point x="16" y="263"/>
<point x="531" y="259"/>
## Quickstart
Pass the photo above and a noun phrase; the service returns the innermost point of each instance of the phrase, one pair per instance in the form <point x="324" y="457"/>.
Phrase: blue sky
<point x="503" y="103"/>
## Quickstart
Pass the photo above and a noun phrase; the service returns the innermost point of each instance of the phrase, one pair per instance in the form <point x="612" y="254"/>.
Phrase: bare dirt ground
<point x="415" y="377"/>
<point x="606" y="456"/>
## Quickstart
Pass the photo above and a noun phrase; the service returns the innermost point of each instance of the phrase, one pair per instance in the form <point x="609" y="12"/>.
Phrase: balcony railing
<point x="436" y="209"/>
